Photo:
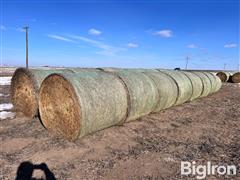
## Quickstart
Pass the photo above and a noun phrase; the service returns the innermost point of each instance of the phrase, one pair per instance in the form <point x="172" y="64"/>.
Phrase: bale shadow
<point x="26" y="168"/>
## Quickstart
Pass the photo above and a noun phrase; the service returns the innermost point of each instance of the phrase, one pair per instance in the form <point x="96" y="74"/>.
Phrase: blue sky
<point x="132" y="33"/>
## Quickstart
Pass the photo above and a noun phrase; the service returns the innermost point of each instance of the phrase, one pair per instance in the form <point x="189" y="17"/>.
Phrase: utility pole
<point x="224" y="67"/>
<point x="187" y="59"/>
<point x="26" y="28"/>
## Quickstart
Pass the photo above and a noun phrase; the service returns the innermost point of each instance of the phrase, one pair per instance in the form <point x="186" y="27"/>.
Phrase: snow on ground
<point x="4" y="81"/>
<point x="6" y="114"/>
<point x="4" y="95"/>
<point x="6" y="106"/>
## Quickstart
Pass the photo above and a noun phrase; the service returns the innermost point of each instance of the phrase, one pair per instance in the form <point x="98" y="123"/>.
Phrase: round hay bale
<point x="167" y="89"/>
<point x="185" y="89"/>
<point x="76" y="104"/>
<point x="224" y="76"/>
<point x="24" y="90"/>
<point x="197" y="84"/>
<point x="206" y="83"/>
<point x="218" y="82"/>
<point x="213" y="81"/>
<point x="236" y="77"/>
<point x="143" y="93"/>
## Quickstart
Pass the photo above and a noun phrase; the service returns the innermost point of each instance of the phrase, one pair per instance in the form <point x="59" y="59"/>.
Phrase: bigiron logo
<point x="202" y="171"/>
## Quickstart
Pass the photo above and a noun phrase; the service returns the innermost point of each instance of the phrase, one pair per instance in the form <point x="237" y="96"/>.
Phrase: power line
<point x="187" y="59"/>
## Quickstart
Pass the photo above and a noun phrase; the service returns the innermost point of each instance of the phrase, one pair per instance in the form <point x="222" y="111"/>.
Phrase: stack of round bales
<point x="77" y="102"/>
<point x="143" y="95"/>
<point x="25" y="85"/>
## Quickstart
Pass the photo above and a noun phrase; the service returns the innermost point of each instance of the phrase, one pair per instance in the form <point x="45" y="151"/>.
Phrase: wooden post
<point x="26" y="28"/>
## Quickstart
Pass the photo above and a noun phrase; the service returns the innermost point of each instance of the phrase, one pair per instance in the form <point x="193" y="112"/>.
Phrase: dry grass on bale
<point x="25" y="87"/>
<point x="63" y="112"/>
<point x="224" y="76"/>
<point x="235" y="78"/>
<point x="24" y="92"/>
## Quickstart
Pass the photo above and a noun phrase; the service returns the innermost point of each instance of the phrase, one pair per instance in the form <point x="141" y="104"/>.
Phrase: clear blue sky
<point x="136" y="33"/>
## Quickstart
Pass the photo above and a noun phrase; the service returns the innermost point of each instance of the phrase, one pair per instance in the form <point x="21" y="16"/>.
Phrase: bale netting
<point x="213" y="81"/>
<point x="197" y="85"/>
<point x="206" y="83"/>
<point x="76" y="104"/>
<point x="224" y="76"/>
<point x="235" y="78"/>
<point x="218" y="82"/>
<point x="167" y="89"/>
<point x="185" y="89"/>
<point x="166" y="86"/>
<point x="142" y="91"/>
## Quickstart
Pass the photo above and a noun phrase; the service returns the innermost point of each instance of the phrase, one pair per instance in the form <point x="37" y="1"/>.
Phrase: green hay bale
<point x="167" y="89"/>
<point x="218" y="82"/>
<point x="185" y="89"/>
<point x="163" y="83"/>
<point x="143" y="93"/>
<point x="76" y="104"/>
<point x="206" y="83"/>
<point x="197" y="84"/>
<point x="213" y="81"/>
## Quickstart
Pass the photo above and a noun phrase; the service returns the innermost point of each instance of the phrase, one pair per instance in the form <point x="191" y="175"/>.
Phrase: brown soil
<point x="206" y="129"/>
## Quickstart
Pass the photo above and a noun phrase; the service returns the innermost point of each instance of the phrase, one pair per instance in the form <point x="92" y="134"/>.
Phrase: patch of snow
<point x="4" y="81"/>
<point x="6" y="114"/>
<point x="3" y="95"/>
<point x="6" y="106"/>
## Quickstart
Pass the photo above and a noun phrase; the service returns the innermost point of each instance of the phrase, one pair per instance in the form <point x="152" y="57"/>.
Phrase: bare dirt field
<point x="206" y="129"/>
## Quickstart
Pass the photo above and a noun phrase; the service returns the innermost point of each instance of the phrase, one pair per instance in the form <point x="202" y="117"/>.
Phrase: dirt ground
<point x="206" y="129"/>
